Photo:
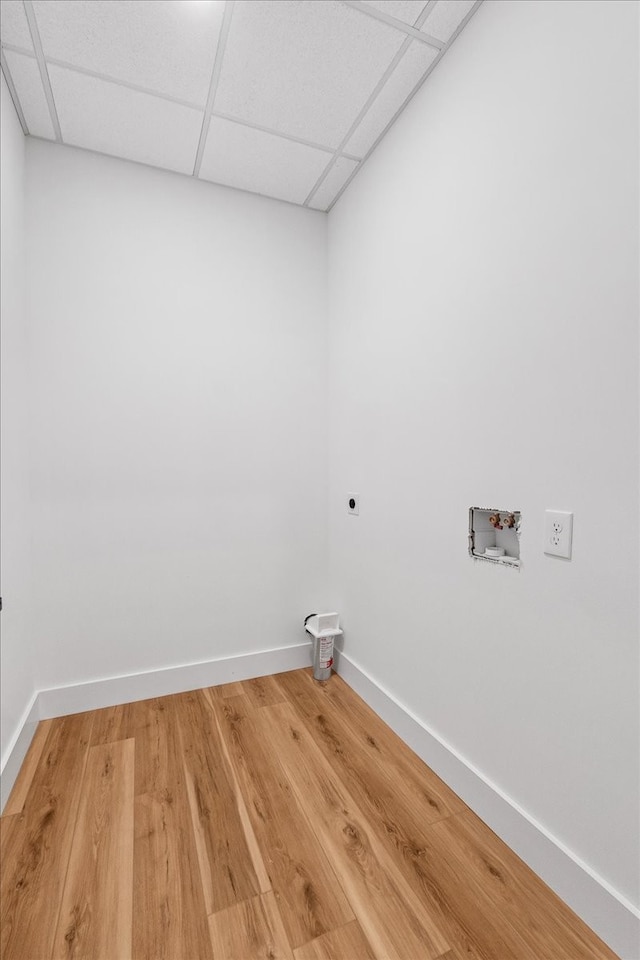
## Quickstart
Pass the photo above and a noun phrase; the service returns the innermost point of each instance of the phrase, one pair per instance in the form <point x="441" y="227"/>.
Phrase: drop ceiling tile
<point x="162" y="45"/>
<point x="445" y="18"/>
<point x="124" y="123"/>
<point x="250" y="159"/>
<point x="14" y="28"/>
<point x="406" y="10"/>
<point x="400" y="84"/>
<point x="333" y="183"/>
<point x="303" y="67"/>
<point x="26" y="79"/>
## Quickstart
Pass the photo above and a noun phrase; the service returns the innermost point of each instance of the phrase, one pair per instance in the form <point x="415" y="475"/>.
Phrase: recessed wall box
<point x="494" y="535"/>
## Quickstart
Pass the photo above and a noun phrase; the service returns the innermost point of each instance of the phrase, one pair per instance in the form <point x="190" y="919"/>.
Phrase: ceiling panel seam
<point x="42" y="66"/>
<point x="13" y="92"/>
<point x="420" y="19"/>
<point x="14" y="49"/>
<point x="123" y="83"/>
<point x="213" y="86"/>
<point x="420" y="82"/>
<point x="372" y="97"/>
<point x="278" y="133"/>
<point x="396" y="24"/>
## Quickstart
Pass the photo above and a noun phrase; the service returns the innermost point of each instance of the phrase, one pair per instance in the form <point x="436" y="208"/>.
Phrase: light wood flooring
<point x="277" y="819"/>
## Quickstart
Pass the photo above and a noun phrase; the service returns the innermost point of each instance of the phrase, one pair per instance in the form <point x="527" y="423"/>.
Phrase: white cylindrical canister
<point x="322" y="657"/>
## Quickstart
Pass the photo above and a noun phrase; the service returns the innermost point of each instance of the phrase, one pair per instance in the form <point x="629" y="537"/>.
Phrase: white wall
<point x="484" y="351"/>
<point x="16" y="684"/>
<point x="179" y="339"/>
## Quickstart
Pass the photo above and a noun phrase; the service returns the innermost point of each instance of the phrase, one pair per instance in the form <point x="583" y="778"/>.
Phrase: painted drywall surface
<point x="179" y="417"/>
<point x="16" y="687"/>
<point x="483" y="351"/>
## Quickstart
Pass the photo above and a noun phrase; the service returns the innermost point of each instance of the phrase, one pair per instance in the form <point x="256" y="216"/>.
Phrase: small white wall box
<point x="494" y="535"/>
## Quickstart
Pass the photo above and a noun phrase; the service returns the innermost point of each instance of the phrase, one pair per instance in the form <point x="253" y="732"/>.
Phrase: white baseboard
<point x="17" y="749"/>
<point x="94" y="694"/>
<point x="606" y="911"/>
<point x="78" y="697"/>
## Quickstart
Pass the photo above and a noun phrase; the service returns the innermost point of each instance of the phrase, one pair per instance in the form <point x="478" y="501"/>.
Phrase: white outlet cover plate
<point x="353" y="510"/>
<point x="558" y="533"/>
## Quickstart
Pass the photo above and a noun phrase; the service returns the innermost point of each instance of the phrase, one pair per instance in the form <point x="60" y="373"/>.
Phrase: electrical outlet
<point x="558" y="533"/>
<point x="353" y="503"/>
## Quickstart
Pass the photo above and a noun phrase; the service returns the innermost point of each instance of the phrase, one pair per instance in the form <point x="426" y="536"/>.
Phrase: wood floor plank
<point x="309" y="897"/>
<point x="38" y="844"/>
<point x="111" y="724"/>
<point x="101" y="863"/>
<point x="470" y="924"/>
<point x="152" y="724"/>
<point x="377" y="744"/>
<point x="394" y="791"/>
<point x="263" y="691"/>
<point x="346" y="943"/>
<point x="392" y="917"/>
<point x="264" y="881"/>
<point x="169" y="917"/>
<point x="225" y="863"/>
<point x="225" y="690"/>
<point x="251" y="930"/>
<point x="395" y="797"/>
<point x="8" y="826"/>
<point x="18" y="795"/>
<point x="539" y="925"/>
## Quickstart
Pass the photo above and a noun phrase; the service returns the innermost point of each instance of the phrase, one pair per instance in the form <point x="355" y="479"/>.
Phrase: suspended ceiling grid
<point x="286" y="98"/>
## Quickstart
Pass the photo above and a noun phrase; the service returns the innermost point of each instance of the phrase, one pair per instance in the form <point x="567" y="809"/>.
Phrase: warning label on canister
<point x="325" y="652"/>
